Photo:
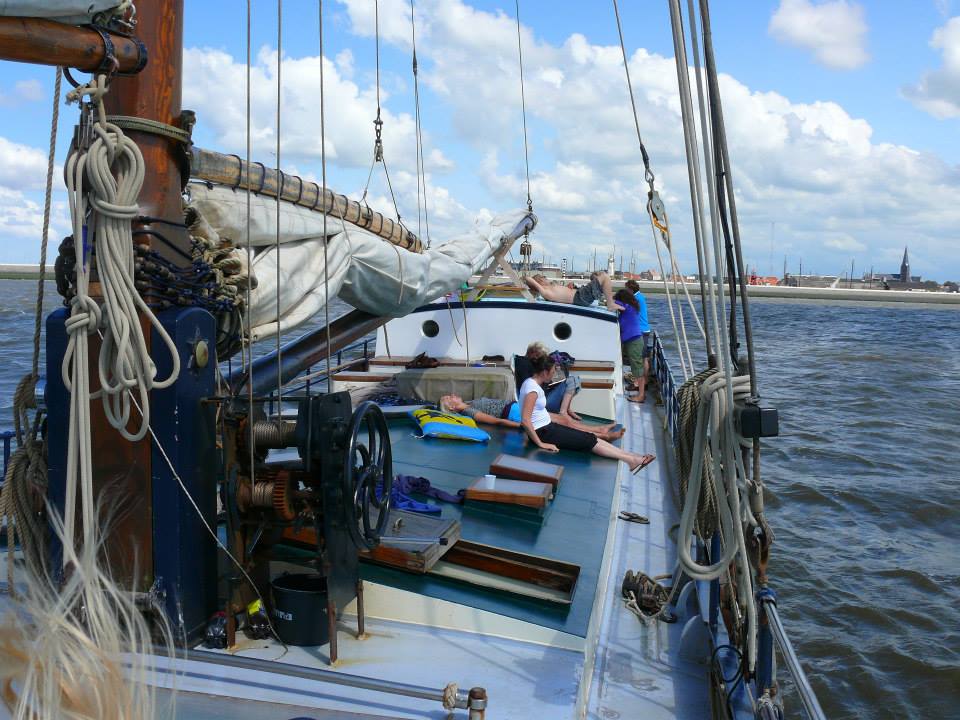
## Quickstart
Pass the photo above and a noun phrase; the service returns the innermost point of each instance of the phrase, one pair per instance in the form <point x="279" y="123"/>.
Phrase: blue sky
<point x="842" y="118"/>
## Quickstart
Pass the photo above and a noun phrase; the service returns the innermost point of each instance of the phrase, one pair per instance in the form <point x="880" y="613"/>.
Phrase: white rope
<point x="104" y="181"/>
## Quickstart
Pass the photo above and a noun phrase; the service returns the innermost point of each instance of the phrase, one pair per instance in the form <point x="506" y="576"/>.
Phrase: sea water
<point x="861" y="490"/>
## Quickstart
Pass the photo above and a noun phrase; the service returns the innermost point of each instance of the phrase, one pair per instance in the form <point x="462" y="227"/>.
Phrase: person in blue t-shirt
<point x="634" y="287"/>
<point x="631" y="339"/>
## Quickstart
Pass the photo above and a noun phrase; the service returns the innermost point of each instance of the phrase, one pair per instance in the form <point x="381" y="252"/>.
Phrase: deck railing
<point x="7" y="436"/>
<point x="356" y="354"/>
<point x="771" y="632"/>
<point x="668" y="388"/>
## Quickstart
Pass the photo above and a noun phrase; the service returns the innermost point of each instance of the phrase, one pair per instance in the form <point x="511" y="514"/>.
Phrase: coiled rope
<point x="103" y="184"/>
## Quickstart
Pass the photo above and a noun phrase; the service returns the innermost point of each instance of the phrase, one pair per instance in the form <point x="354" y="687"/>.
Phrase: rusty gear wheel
<point x="283" y="498"/>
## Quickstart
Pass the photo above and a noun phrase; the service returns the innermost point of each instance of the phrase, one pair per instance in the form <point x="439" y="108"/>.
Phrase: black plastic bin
<point x="300" y="608"/>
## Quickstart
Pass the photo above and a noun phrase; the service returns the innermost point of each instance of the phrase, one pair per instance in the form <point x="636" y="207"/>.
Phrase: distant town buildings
<point x="900" y="279"/>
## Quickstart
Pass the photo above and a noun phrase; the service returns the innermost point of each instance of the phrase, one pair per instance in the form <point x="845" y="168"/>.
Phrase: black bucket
<point x="300" y="608"/>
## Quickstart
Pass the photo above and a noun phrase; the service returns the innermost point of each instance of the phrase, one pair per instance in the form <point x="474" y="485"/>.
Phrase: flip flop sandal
<point x="633" y="517"/>
<point x="643" y="464"/>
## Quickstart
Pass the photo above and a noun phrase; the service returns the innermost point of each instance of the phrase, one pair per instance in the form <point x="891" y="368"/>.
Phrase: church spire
<point x="905" y="267"/>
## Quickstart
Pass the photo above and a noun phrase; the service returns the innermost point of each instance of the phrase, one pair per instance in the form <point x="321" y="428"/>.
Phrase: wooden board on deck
<point x="415" y="557"/>
<point x="518" y="468"/>
<point x="511" y="492"/>
<point x="509" y="571"/>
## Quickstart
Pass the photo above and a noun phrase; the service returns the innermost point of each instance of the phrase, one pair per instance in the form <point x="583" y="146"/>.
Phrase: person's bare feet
<point x="610" y="435"/>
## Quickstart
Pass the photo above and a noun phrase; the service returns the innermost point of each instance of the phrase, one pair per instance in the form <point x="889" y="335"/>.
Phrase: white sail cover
<point x="364" y="270"/>
<point x="69" y="11"/>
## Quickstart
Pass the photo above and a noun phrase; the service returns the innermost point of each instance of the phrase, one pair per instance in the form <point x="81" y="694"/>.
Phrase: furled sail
<point x="69" y="11"/>
<point x="363" y="270"/>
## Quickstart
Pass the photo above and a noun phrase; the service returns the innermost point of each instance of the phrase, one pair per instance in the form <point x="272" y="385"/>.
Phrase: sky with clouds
<point x="842" y="119"/>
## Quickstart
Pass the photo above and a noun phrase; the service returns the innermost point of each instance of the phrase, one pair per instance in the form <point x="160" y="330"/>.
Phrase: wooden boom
<point x="231" y="170"/>
<point x="45" y="42"/>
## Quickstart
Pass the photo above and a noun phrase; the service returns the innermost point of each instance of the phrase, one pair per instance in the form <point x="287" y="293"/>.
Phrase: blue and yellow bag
<point x="438" y="424"/>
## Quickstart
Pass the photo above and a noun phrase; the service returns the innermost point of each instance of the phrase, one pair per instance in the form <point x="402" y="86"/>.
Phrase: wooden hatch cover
<point x="518" y="468"/>
<point x="511" y="492"/>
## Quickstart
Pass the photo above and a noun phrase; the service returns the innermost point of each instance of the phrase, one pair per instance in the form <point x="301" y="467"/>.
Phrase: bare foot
<point x="611" y="436"/>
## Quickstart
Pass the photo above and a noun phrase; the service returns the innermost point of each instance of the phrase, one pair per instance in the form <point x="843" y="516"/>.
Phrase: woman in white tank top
<point x="552" y="437"/>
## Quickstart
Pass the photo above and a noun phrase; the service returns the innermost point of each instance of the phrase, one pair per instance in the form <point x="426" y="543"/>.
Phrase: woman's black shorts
<point x="567" y="438"/>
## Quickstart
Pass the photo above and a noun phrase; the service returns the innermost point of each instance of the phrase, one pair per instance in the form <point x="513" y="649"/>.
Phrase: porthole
<point x="562" y="331"/>
<point x="430" y="328"/>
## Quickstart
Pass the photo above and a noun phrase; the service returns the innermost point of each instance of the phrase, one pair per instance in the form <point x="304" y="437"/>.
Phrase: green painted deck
<point x="574" y="530"/>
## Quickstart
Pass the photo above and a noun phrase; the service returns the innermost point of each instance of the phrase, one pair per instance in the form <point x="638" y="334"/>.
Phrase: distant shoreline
<point x="800" y="294"/>
<point x="13" y="271"/>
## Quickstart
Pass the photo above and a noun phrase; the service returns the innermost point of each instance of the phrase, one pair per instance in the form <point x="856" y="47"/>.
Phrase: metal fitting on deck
<point x="478" y="703"/>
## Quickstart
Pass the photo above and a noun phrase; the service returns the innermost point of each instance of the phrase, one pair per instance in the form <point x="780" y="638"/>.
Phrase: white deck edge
<point x="602" y="590"/>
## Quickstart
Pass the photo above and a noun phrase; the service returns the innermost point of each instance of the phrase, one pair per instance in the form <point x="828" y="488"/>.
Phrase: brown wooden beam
<point x="231" y="170"/>
<point x="45" y="42"/>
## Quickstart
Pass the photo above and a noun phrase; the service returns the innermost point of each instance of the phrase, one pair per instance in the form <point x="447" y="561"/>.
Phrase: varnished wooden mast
<point x="121" y="468"/>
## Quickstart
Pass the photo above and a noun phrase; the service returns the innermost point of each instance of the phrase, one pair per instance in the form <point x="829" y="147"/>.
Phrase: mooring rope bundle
<point x="689" y="398"/>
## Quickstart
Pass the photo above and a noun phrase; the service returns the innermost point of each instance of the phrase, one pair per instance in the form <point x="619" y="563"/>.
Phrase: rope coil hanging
<point x="104" y="174"/>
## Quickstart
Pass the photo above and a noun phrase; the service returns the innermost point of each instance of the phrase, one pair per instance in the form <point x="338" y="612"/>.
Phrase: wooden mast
<point x="123" y="468"/>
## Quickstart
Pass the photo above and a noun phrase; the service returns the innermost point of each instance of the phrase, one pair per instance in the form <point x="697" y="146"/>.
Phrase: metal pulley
<point x="526" y="248"/>
<point x="658" y="213"/>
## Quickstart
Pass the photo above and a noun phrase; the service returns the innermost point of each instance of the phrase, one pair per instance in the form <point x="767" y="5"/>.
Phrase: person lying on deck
<point x="599" y="288"/>
<point x="552" y="437"/>
<point x="506" y="413"/>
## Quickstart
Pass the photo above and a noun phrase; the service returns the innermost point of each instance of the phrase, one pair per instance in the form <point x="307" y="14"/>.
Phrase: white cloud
<point x="845" y="243"/>
<point x="21" y="224"/>
<point x="810" y="167"/>
<point x="835" y="31"/>
<point x="23" y="167"/>
<point x="24" y="91"/>
<point x="938" y="91"/>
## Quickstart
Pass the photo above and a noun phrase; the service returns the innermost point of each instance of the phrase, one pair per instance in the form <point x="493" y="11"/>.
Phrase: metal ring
<point x="263" y="176"/>
<point x="109" y="65"/>
<point x="280" y="185"/>
<point x="299" y="191"/>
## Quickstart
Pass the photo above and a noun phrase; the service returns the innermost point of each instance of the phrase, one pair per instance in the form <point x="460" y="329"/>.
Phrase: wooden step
<point x="402" y="360"/>
<point x="362" y="377"/>
<point x="596" y="384"/>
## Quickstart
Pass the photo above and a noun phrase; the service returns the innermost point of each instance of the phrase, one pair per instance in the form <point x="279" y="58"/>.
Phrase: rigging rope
<point x="279" y="194"/>
<point x="655" y="208"/>
<point x="326" y="237"/>
<point x="104" y="179"/>
<point x="378" y="129"/>
<point x="715" y="414"/>
<point x="250" y="339"/>
<point x="523" y="110"/>
<point x="421" y="168"/>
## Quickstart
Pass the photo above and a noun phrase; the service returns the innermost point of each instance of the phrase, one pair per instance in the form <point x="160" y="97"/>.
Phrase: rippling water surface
<point x="862" y="492"/>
